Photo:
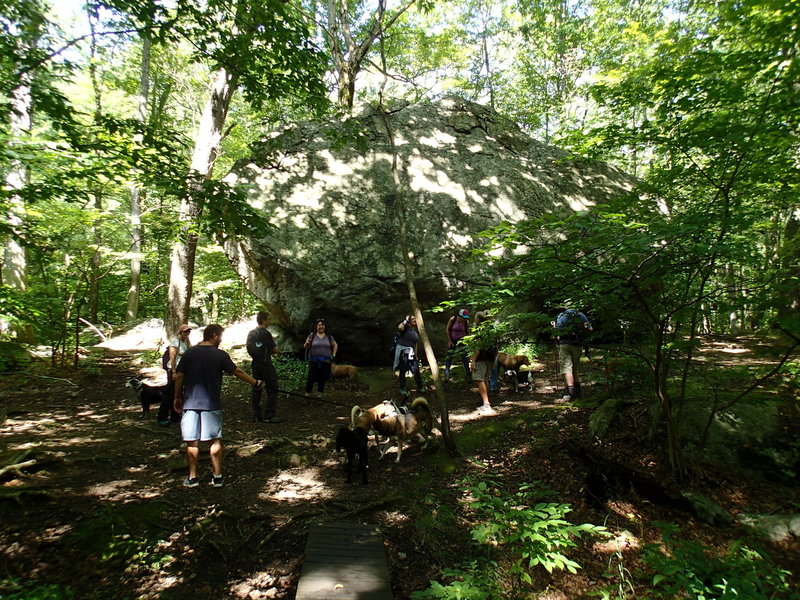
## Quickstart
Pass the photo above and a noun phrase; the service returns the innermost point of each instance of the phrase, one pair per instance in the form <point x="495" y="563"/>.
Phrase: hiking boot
<point x="216" y="480"/>
<point x="190" y="482"/>
<point x="578" y="393"/>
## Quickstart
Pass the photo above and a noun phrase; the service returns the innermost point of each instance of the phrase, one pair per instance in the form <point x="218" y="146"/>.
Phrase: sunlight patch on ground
<point x="301" y="484"/>
<point x="110" y="488"/>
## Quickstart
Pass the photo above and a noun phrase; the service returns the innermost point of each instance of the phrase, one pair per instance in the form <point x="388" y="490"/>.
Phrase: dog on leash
<point x="366" y="418"/>
<point x="147" y="395"/>
<point x="354" y="443"/>
<point x="401" y="427"/>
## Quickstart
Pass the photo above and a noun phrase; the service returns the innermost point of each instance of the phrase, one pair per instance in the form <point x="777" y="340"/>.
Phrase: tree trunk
<point x="206" y="150"/>
<point x="408" y="270"/>
<point x="15" y="262"/>
<point x="136" y="193"/>
<point x="791" y="264"/>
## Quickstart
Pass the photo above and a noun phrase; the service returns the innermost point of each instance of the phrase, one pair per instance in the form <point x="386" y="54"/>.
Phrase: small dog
<point x="147" y="395"/>
<point x="354" y="443"/>
<point x="401" y="427"/>
<point x="349" y="373"/>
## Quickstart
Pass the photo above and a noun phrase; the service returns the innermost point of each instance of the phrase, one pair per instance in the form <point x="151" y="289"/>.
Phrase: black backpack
<point x="393" y="345"/>
<point x="165" y="359"/>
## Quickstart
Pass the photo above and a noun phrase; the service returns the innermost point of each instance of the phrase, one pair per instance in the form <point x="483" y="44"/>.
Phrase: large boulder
<point x="330" y="192"/>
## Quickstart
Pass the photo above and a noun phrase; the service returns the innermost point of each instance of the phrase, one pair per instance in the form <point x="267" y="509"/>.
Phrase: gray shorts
<point x="203" y="425"/>
<point x="483" y="368"/>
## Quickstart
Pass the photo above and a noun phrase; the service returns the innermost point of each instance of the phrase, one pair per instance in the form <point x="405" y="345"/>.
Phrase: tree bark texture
<point x="206" y="150"/>
<point x="136" y="192"/>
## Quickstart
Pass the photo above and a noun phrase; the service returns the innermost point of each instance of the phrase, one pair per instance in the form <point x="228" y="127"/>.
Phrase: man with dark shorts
<point x="198" y="397"/>
<point x="261" y="347"/>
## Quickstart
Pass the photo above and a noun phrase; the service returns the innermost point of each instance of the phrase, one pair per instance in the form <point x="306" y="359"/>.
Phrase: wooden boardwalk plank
<point x="344" y="561"/>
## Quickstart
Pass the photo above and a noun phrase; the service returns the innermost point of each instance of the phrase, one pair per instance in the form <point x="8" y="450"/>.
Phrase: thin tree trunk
<point x="206" y="150"/>
<point x="408" y="270"/>
<point x="791" y="264"/>
<point x="136" y="192"/>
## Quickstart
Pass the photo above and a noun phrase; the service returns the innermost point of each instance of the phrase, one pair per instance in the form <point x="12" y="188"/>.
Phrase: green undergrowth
<point x="514" y="531"/>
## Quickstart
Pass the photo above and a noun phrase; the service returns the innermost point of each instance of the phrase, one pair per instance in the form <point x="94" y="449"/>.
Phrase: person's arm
<point x="308" y="342"/>
<point x="404" y="325"/>
<point x="334" y="348"/>
<point x="173" y="356"/>
<point x="245" y="377"/>
<point x="177" y="400"/>
<point x="274" y="350"/>
<point x="449" y="330"/>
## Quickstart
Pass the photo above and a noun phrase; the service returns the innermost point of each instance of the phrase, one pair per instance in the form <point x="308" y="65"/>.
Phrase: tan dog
<point x="366" y="419"/>
<point x="402" y="427"/>
<point x="345" y="372"/>
<point x="512" y="362"/>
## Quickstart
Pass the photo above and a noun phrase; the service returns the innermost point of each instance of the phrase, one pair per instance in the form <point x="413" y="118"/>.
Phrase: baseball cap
<point x="463" y="313"/>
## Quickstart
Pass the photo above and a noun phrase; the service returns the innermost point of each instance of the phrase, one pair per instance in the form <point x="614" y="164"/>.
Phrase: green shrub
<point x="685" y="569"/>
<point x="475" y="580"/>
<point x="14" y="589"/>
<point x="536" y="531"/>
<point x="291" y="372"/>
<point x="528" y="532"/>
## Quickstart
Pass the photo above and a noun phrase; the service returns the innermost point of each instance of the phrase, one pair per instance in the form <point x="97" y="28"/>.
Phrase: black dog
<point x="147" y="395"/>
<point x="354" y="442"/>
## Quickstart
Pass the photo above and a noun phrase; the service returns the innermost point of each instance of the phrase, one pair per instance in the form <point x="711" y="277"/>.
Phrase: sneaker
<point x="485" y="410"/>
<point x="447" y="379"/>
<point x="164" y="423"/>
<point x="190" y="482"/>
<point x="216" y="480"/>
<point x="273" y="420"/>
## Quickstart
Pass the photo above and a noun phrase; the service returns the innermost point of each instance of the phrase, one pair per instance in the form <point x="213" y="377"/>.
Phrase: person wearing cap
<point x="457" y="328"/>
<point x="571" y="327"/>
<point x="177" y="347"/>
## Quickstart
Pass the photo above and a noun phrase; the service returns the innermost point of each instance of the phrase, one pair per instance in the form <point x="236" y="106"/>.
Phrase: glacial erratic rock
<point x="334" y="200"/>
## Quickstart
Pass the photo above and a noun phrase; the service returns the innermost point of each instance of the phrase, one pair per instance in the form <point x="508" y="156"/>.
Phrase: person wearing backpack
<point x="261" y="347"/>
<point x="321" y="349"/>
<point x="405" y="354"/>
<point x="571" y="327"/>
<point x="169" y="362"/>
<point x="457" y="328"/>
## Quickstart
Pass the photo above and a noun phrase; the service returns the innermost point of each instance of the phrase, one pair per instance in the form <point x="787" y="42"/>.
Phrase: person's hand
<point x="333" y="357"/>
<point x="259" y="385"/>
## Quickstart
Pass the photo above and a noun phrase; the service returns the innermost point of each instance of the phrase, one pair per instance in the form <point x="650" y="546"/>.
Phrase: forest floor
<point x="102" y="512"/>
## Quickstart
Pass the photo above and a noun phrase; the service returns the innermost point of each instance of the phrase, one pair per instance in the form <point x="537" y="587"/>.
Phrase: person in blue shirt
<point x="198" y="399"/>
<point x="571" y="327"/>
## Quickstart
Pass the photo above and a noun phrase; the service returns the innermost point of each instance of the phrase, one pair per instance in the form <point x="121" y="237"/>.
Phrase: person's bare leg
<point x="484" y="393"/>
<point x="216" y="457"/>
<point x="192" y="453"/>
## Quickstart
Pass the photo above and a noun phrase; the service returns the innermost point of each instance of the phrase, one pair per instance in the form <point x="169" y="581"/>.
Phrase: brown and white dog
<point x="365" y="419"/>
<point x="401" y="427"/>
<point x="516" y="368"/>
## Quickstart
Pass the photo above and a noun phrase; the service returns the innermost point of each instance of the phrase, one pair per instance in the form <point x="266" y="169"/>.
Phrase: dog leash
<point x="307" y="397"/>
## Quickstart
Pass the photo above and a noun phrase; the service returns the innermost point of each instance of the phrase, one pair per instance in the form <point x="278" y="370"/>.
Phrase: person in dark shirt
<point x="198" y="398"/>
<point x="261" y="347"/>
<point x="405" y="355"/>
